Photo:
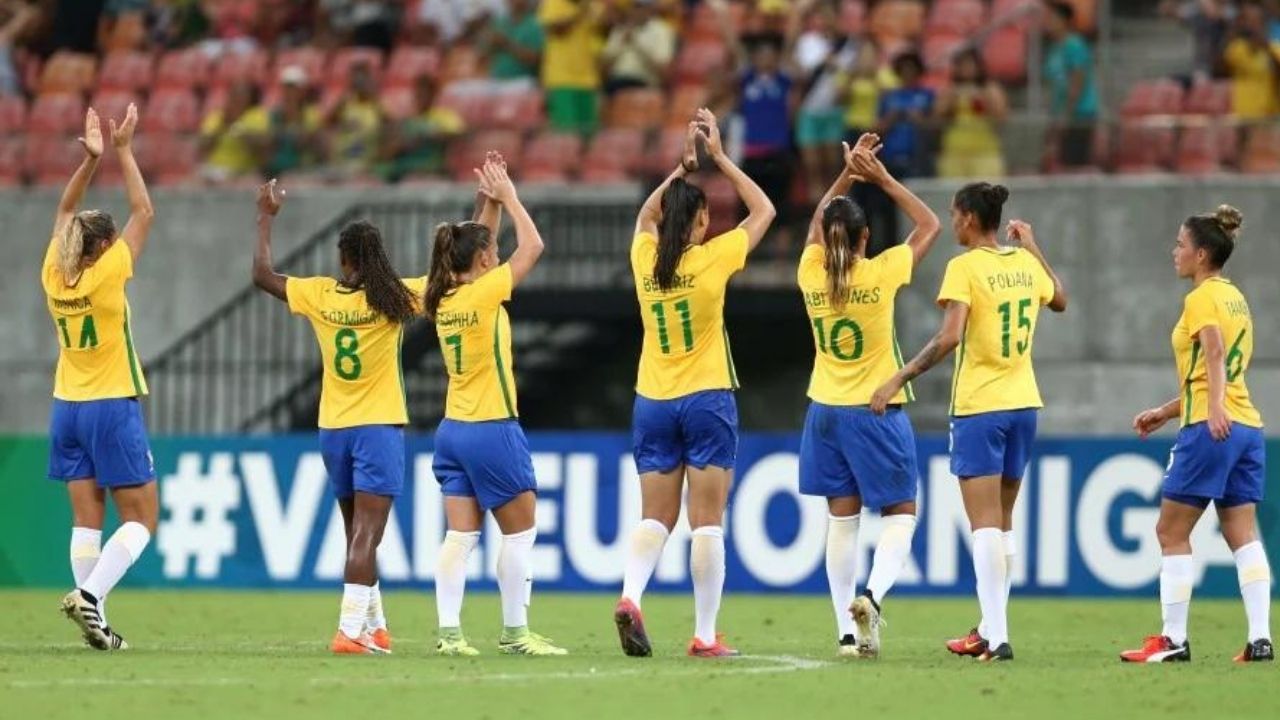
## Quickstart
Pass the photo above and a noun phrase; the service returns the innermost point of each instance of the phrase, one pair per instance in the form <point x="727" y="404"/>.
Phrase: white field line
<point x="773" y="664"/>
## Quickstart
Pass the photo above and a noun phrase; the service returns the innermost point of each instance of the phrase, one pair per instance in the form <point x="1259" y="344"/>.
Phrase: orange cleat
<point x="382" y="639"/>
<point x="1158" y="649"/>
<point x="363" y="645"/>
<point x="718" y="649"/>
<point x="635" y="642"/>
<point x="972" y="645"/>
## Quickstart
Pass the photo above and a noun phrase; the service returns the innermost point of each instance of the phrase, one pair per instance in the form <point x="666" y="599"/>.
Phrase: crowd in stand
<point x="1239" y="41"/>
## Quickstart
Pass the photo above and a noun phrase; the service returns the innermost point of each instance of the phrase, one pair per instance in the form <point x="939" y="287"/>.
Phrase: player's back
<point x="1217" y="301"/>
<point x="475" y="337"/>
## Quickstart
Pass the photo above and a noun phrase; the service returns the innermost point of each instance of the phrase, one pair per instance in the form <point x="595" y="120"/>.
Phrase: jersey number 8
<point x="346" y="363"/>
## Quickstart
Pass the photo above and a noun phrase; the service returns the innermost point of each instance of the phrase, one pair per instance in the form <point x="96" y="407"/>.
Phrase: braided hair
<point x="360" y="245"/>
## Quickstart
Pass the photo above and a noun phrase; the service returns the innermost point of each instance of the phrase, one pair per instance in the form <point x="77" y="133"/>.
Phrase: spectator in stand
<point x="570" y="72"/>
<point x="1272" y="8"/>
<point x="295" y="127"/>
<point x="18" y="17"/>
<point x="1069" y="73"/>
<point x="233" y="27"/>
<point x="970" y="110"/>
<point x="179" y="23"/>
<point x="513" y="44"/>
<point x="123" y="24"/>
<point x="904" y="116"/>
<point x="74" y="25"/>
<point x="417" y="144"/>
<point x="822" y="57"/>
<point x="860" y="90"/>
<point x="233" y="140"/>
<point x="453" y="21"/>
<point x="639" y="50"/>
<point x="1209" y="22"/>
<point x="1251" y="61"/>
<point x="365" y="23"/>
<point x="355" y="123"/>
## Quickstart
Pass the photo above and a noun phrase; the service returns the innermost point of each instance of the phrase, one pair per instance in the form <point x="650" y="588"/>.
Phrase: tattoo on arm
<point x="920" y="364"/>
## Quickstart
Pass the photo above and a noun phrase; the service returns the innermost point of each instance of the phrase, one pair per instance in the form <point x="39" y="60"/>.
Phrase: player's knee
<point x="1170" y="534"/>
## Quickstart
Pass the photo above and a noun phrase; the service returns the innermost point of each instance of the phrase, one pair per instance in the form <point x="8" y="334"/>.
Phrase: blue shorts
<point x="994" y="443"/>
<point x="366" y="458"/>
<point x="851" y="451"/>
<point x="101" y="439"/>
<point x="700" y="429"/>
<point x="488" y="461"/>
<point x="1228" y="473"/>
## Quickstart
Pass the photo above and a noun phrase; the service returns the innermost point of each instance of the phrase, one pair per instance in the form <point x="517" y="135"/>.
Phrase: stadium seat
<point x="462" y="62"/>
<point x="338" y="73"/>
<point x="128" y="31"/>
<point x="1199" y="151"/>
<point x="168" y="159"/>
<point x="50" y="160"/>
<point x="311" y="60"/>
<point x="131" y="71"/>
<point x="956" y="17"/>
<point x="68" y="72"/>
<point x="1153" y="97"/>
<point x="698" y="61"/>
<point x="112" y="104"/>
<point x="466" y="154"/>
<point x="1005" y="54"/>
<point x="397" y="102"/>
<point x="1026" y="12"/>
<point x="11" y="160"/>
<point x="722" y="202"/>
<point x="514" y="111"/>
<point x="641" y="109"/>
<point x="1208" y="98"/>
<point x="551" y="158"/>
<point x="172" y="110"/>
<point x="408" y="63"/>
<point x="665" y="151"/>
<point x="188" y="68"/>
<point x="896" y="19"/>
<point x="469" y="105"/>
<point x="248" y="66"/>
<point x="13" y="114"/>
<point x="1261" y="152"/>
<point x="613" y="156"/>
<point x="1143" y="147"/>
<point x="939" y="47"/>
<point x="57" y="114"/>
<point x="684" y="102"/>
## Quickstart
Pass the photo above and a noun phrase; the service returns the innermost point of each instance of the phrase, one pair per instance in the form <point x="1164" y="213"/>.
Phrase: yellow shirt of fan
<point x="475" y="337"/>
<point x="686" y="346"/>
<point x="96" y="359"/>
<point x="1004" y="289"/>
<point x="857" y="348"/>
<point x="1216" y="302"/>
<point x="362" y="382"/>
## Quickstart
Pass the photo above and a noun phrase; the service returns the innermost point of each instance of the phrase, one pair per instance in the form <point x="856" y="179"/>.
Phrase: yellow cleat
<point x="455" y="646"/>
<point x="528" y="643"/>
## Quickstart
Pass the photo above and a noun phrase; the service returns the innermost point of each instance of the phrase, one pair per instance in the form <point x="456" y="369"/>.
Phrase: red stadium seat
<point x="408" y="63"/>
<point x="1143" y="147"/>
<point x="57" y="114"/>
<point x="168" y="159"/>
<point x="684" y="103"/>
<point x="467" y="154"/>
<point x="515" y="111"/>
<point x="956" y="17"/>
<point x="1153" y="97"/>
<point x="641" y="109"/>
<point x="722" y="202"/>
<point x="469" y="105"/>
<point x="13" y="114"/>
<point x="172" y="110"/>
<point x="665" y="152"/>
<point x="397" y="102"/>
<point x="1199" y="151"/>
<point x="614" y="155"/>
<point x="50" y="160"/>
<point x="699" y="61"/>
<point x="311" y="60"/>
<point x="338" y="74"/>
<point x="248" y="67"/>
<point x="131" y="71"/>
<point x="551" y="158"/>
<point x="188" y="68"/>
<point x="68" y="72"/>
<point x="1005" y="54"/>
<point x="1208" y="98"/>
<point x="939" y="47"/>
<point x="11" y="160"/>
<point x="462" y="62"/>
<point x="1261" y="152"/>
<point x="897" y="19"/>
<point x="112" y="105"/>
<point x="1026" y="10"/>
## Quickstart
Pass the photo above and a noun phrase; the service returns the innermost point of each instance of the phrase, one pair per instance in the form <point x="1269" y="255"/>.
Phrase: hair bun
<point x="1000" y="194"/>
<point x="1229" y="219"/>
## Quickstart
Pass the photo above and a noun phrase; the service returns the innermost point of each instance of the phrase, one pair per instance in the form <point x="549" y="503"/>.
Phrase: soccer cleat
<point x="81" y="608"/>
<point x="1257" y="651"/>
<point x="848" y="647"/>
<point x="1158" y="648"/>
<point x="526" y="642"/>
<point x="866" y="613"/>
<point x="1000" y="653"/>
<point x="363" y="645"/>
<point x="697" y="648"/>
<point x="456" y="645"/>
<point x="971" y="645"/>
<point x="635" y="642"/>
<point x="382" y="638"/>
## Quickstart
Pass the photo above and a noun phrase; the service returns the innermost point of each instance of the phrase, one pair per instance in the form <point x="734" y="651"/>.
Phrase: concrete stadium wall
<point x="1107" y="358"/>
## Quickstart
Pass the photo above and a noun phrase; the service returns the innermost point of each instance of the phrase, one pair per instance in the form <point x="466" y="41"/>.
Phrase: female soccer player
<point x="482" y="458"/>
<point x="847" y="454"/>
<point x="1220" y="453"/>
<point x="97" y="438"/>
<point x="359" y="321"/>
<point x="686" y="420"/>
<point x="991" y="296"/>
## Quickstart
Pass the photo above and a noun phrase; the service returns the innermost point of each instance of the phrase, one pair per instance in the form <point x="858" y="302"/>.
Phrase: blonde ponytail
<point x="71" y="250"/>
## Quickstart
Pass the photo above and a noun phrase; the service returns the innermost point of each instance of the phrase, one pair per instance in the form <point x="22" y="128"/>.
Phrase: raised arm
<point x="488" y="211"/>
<point x="760" y="210"/>
<point x="80" y="179"/>
<point x="264" y="271"/>
<point x="927" y="226"/>
<point x="651" y="210"/>
<point x="1216" y="369"/>
<point x="495" y="183"/>
<point x="940" y="346"/>
<point x="141" y="212"/>
<point x="1021" y="233"/>
<point x="840" y="186"/>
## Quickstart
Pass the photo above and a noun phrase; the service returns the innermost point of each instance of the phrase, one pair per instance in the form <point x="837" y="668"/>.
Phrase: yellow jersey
<point x="362" y="382"/>
<point x="230" y="151"/>
<point x="857" y="348"/>
<point x="96" y="357"/>
<point x="1004" y="289"/>
<point x="475" y="337"/>
<point x="1216" y="302"/>
<point x="686" y="346"/>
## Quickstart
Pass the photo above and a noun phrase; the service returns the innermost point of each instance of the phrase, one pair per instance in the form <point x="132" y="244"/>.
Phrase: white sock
<point x="1176" y="578"/>
<point x="1010" y="552"/>
<point x="706" y="565"/>
<point x="121" y="552"/>
<point x="376" y="618"/>
<point x="989" y="569"/>
<point x="451" y="576"/>
<point x="514" y="574"/>
<point x="891" y="554"/>
<point x="1255" y="588"/>
<point x="647" y="542"/>
<point x="86" y="548"/>
<point x="842" y="568"/>
<point x="355" y="609"/>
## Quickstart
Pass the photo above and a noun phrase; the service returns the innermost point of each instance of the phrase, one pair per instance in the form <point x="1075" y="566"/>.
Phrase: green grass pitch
<point x="264" y="655"/>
